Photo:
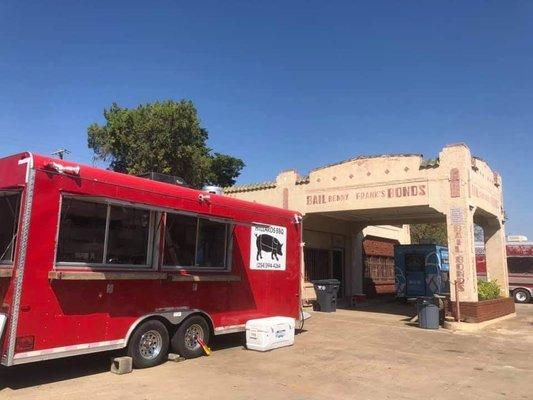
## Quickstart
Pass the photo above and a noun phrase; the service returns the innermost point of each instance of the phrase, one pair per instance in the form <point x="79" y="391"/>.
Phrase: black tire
<point x="521" y="296"/>
<point x="183" y="342"/>
<point x="150" y="337"/>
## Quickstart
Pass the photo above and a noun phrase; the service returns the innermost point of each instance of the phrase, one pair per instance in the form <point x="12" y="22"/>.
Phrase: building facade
<point x="356" y="210"/>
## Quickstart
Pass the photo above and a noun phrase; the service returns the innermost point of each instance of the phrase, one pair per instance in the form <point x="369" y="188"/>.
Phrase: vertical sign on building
<point x="457" y="218"/>
<point x="285" y="198"/>
<point x="455" y="183"/>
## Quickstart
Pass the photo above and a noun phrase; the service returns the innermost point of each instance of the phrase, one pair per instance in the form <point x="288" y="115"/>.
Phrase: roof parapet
<point x="366" y="158"/>
<point x="250" y="187"/>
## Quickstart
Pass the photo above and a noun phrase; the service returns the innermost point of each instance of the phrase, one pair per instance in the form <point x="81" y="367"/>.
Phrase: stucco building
<point x="376" y="198"/>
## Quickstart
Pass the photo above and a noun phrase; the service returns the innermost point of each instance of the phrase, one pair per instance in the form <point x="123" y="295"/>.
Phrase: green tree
<point x="223" y="169"/>
<point x="429" y="233"/>
<point x="164" y="137"/>
<point x="437" y="234"/>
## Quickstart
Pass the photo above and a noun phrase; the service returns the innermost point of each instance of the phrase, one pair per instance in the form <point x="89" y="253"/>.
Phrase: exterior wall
<point x="400" y="233"/>
<point x="401" y="189"/>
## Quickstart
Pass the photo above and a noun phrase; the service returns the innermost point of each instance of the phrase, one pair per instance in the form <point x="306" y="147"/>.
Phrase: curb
<point x="473" y="326"/>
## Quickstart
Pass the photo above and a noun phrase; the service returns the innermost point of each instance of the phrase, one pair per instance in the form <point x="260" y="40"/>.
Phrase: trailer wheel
<point x="184" y="340"/>
<point x="148" y="346"/>
<point x="521" y="296"/>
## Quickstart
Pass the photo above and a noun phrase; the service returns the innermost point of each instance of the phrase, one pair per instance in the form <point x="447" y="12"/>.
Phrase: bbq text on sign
<point x="268" y="247"/>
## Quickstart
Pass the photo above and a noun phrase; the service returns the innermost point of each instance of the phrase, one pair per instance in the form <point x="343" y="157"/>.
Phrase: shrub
<point x="488" y="290"/>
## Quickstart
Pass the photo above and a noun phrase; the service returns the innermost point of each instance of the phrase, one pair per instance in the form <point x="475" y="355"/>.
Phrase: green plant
<point x="488" y="290"/>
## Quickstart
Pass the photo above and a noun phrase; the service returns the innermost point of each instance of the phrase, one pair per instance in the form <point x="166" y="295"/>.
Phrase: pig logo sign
<point x="268" y="247"/>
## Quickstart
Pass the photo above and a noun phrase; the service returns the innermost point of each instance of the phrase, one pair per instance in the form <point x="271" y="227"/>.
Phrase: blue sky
<point x="282" y="84"/>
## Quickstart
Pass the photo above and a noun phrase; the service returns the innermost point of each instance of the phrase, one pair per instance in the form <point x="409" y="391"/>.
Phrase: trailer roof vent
<point x="213" y="189"/>
<point x="156" y="176"/>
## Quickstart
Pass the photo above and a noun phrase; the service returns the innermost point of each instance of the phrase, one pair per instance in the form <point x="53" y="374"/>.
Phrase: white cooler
<point x="269" y="333"/>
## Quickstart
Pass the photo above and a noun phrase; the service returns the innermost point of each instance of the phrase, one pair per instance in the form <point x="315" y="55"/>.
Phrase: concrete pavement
<point x="363" y="354"/>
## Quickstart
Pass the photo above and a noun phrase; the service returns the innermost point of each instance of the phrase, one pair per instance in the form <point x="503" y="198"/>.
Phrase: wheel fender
<point x="173" y="317"/>
<point x="527" y="289"/>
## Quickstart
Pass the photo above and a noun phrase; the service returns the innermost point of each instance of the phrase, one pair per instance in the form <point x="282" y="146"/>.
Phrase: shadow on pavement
<point x="383" y="305"/>
<point x="222" y="342"/>
<point x="34" y="374"/>
<point x="44" y="372"/>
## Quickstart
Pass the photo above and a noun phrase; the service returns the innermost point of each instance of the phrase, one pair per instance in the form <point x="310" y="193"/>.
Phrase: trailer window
<point x="127" y="241"/>
<point x="103" y="235"/>
<point x="81" y="231"/>
<point x="195" y="243"/>
<point x="9" y="215"/>
<point x="180" y="240"/>
<point x="211" y="247"/>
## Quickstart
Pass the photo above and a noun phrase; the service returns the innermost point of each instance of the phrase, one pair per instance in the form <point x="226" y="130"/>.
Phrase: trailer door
<point x="415" y="275"/>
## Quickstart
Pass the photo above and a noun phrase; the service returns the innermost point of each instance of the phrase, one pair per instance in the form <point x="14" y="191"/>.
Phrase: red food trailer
<point x="94" y="260"/>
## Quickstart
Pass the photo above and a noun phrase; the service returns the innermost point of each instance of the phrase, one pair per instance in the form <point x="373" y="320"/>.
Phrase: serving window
<point x="180" y="240"/>
<point x="98" y="234"/>
<point x="193" y="242"/>
<point x="9" y="217"/>
<point x="211" y="244"/>
<point x="128" y="235"/>
<point x="82" y="231"/>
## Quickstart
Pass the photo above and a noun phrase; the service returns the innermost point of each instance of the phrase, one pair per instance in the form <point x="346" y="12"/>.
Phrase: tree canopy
<point x="165" y="137"/>
<point x="437" y="234"/>
<point x="429" y="233"/>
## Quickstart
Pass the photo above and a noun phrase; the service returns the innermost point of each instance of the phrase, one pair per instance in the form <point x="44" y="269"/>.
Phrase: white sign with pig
<point x="268" y="245"/>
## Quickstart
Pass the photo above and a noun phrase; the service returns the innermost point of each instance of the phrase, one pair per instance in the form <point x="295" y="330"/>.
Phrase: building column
<point x="355" y="276"/>
<point x="462" y="257"/>
<point x="496" y="254"/>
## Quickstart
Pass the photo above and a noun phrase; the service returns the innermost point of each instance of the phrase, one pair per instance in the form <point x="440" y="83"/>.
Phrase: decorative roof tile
<point x="430" y="163"/>
<point x="302" y="180"/>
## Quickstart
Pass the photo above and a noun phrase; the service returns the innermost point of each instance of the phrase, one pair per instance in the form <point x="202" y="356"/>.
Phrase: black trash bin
<point x="428" y="312"/>
<point x="326" y="294"/>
